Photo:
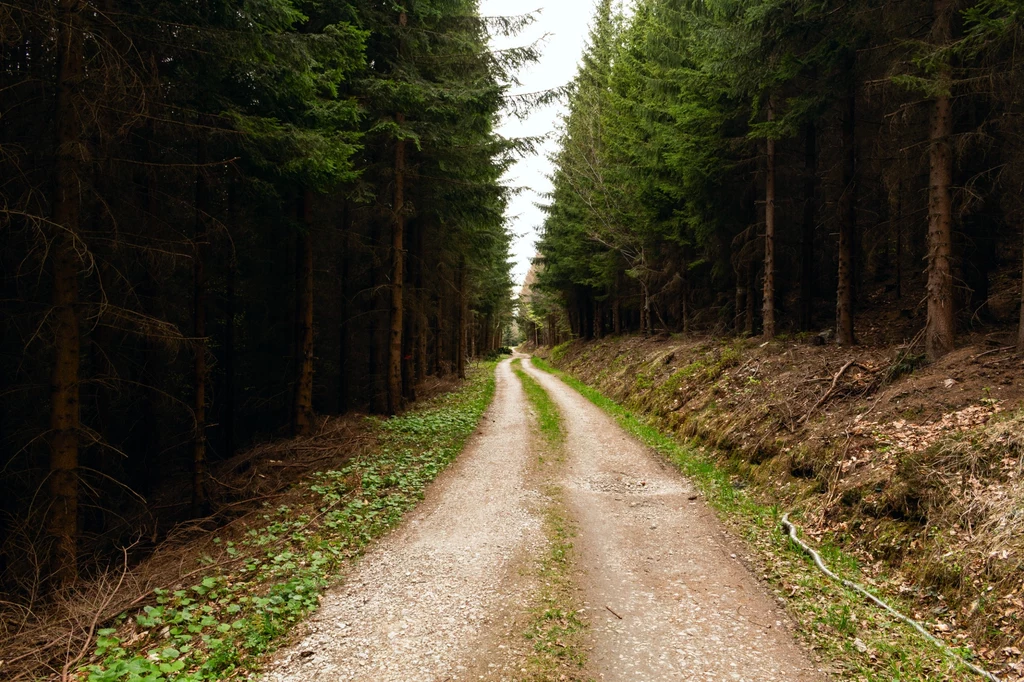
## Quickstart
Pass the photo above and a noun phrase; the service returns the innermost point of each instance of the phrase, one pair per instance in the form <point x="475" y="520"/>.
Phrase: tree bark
<point x="847" y="226"/>
<point x="199" y="365"/>
<point x="749" y="321"/>
<point x="768" y="304"/>
<point x="376" y="372"/>
<point x="395" y="397"/>
<point x="302" y="404"/>
<point x="62" y="522"/>
<point x="617" y="305"/>
<point x="230" y="327"/>
<point x="344" y="371"/>
<point x="1020" y="329"/>
<point x="646" y="327"/>
<point x="440" y="350"/>
<point x="422" y="326"/>
<point x="741" y="301"/>
<point x="940" y="327"/>
<point x="463" y="322"/>
<point x="684" y="290"/>
<point x="810" y="219"/>
<point x="896" y="218"/>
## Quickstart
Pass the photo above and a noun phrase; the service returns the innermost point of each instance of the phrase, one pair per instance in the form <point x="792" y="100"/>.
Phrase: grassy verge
<point x="556" y="629"/>
<point x="244" y="601"/>
<point x="853" y="640"/>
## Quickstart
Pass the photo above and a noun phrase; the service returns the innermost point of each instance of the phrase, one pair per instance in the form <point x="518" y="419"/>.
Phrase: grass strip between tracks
<point x="556" y="630"/>
<point x="851" y="639"/>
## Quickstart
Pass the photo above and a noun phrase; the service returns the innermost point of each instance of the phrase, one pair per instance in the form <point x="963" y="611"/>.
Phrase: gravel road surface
<point x="447" y="595"/>
<point x="666" y="591"/>
<point x="436" y="599"/>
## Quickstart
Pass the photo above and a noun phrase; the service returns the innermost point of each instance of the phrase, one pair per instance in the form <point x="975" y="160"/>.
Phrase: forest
<point x="222" y="220"/>
<point x="781" y="167"/>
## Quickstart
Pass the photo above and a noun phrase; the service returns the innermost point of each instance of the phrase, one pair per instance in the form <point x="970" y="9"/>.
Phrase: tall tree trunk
<point x="408" y="366"/>
<point x="420" y="341"/>
<point x="896" y="218"/>
<point x="472" y="335"/>
<point x="768" y="304"/>
<point x="1020" y="329"/>
<point x="395" y="397"/>
<point x="378" y="391"/>
<point x="847" y="225"/>
<point x="646" y="326"/>
<point x="617" y="304"/>
<point x="62" y="524"/>
<point x="463" y="321"/>
<point x="229" y="359"/>
<point x="230" y="303"/>
<point x="344" y="371"/>
<point x="751" y="316"/>
<point x="440" y="335"/>
<point x="685" y="293"/>
<point x="302" y="404"/>
<point x="409" y="332"/>
<point x="742" y="294"/>
<point x="199" y="369"/>
<point x="940" y="327"/>
<point x="810" y="219"/>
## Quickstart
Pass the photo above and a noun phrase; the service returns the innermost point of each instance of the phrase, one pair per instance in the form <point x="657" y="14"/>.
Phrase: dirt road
<point x="444" y="597"/>
<point x="439" y="599"/>
<point x="661" y="561"/>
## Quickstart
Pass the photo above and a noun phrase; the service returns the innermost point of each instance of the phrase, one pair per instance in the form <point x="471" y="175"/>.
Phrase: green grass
<point x="548" y="418"/>
<point x="555" y="629"/>
<point x="258" y="589"/>
<point x="857" y="641"/>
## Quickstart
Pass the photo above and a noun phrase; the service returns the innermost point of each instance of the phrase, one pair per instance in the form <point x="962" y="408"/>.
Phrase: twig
<point x="831" y="390"/>
<point x="612" y="612"/>
<point x="992" y="352"/>
<point x="71" y="663"/>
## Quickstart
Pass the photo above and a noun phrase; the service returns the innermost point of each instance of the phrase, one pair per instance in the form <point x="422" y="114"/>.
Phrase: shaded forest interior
<point x="772" y="167"/>
<point x="221" y="220"/>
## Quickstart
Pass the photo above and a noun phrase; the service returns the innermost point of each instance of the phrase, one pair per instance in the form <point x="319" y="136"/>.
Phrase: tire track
<point x="440" y="598"/>
<point x="667" y="597"/>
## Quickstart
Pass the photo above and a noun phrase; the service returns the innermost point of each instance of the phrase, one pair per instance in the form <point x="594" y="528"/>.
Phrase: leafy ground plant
<point x="853" y="640"/>
<point x="556" y="629"/>
<point x="245" y="601"/>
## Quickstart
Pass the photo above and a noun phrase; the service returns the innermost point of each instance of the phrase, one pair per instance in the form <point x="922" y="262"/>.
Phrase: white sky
<point x="566" y="23"/>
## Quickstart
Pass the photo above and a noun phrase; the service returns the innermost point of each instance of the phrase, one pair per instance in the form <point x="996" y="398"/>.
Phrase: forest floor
<point x="909" y="476"/>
